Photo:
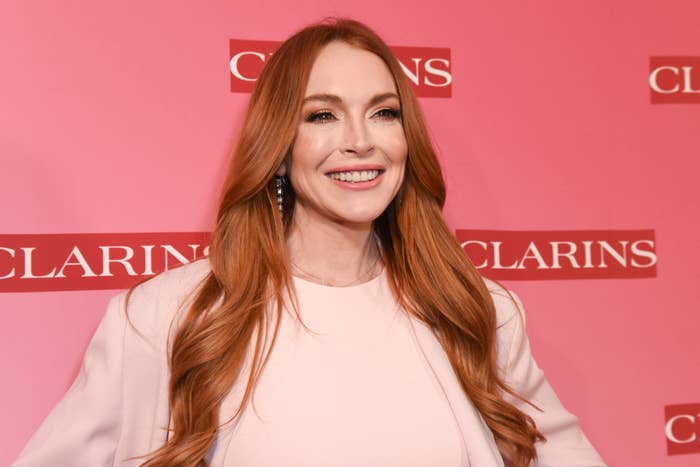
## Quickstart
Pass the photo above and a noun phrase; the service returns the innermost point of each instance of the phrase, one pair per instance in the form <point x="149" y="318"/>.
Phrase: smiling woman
<point x="347" y="162"/>
<point x="335" y="297"/>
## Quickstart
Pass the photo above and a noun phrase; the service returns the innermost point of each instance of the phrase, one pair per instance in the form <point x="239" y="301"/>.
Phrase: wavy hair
<point x="249" y="265"/>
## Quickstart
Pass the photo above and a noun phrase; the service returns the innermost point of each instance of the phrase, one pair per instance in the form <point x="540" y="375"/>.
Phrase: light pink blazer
<point x="117" y="407"/>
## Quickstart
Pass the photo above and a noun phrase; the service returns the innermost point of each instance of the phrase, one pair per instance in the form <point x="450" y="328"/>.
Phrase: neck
<point x="335" y="252"/>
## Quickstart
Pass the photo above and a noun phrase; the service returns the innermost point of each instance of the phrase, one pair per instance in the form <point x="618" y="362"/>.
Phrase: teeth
<point x="355" y="176"/>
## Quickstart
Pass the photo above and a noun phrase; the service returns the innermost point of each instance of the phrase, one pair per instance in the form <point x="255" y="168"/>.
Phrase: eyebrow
<point x="332" y="98"/>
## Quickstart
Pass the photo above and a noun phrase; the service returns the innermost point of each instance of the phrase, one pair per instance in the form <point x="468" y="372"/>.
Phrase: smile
<point x="355" y="176"/>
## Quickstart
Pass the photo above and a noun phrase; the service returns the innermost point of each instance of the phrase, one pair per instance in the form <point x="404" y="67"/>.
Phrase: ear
<point x="282" y="171"/>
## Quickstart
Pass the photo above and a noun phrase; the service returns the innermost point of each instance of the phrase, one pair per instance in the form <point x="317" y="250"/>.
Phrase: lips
<point x="356" y="168"/>
<point x="356" y="178"/>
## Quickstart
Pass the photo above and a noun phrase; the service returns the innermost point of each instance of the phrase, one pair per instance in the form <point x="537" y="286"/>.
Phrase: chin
<point x="360" y="215"/>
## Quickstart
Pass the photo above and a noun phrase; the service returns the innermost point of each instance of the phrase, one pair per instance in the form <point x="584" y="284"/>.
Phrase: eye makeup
<point x="325" y="116"/>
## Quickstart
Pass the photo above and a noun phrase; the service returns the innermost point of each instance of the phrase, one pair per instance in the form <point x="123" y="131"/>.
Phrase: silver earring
<point x="279" y="186"/>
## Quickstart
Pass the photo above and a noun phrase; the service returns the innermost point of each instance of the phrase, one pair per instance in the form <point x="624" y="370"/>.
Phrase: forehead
<point x="349" y="72"/>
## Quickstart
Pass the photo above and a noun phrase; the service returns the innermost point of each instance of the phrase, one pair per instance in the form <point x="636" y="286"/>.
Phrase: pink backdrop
<point x="120" y="118"/>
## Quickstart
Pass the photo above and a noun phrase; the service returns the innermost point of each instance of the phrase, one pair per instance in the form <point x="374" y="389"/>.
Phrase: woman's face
<point x="349" y="153"/>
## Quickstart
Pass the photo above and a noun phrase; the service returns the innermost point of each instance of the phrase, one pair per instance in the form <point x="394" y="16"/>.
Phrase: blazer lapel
<point x="479" y="442"/>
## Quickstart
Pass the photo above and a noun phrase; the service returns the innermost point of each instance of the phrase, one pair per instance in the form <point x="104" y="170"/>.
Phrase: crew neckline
<point x="368" y="282"/>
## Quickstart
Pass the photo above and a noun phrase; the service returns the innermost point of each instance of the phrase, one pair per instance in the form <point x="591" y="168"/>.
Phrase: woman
<point x="336" y="322"/>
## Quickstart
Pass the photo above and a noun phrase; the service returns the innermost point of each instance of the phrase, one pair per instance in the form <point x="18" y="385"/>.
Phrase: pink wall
<point x="119" y="118"/>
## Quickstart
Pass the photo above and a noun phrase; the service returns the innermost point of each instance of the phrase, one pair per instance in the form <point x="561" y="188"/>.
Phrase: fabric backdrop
<point x="567" y="131"/>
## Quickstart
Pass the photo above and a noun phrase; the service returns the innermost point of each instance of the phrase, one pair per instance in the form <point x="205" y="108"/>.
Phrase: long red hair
<point x="250" y="267"/>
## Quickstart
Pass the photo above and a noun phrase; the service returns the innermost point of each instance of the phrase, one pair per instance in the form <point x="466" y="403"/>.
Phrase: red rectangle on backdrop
<point x="674" y="80"/>
<point x="682" y="429"/>
<point x="429" y="69"/>
<point x="44" y="262"/>
<point x="561" y="254"/>
<point x="246" y="61"/>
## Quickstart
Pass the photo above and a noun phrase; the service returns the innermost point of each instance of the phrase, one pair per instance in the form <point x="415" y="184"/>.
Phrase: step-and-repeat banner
<point x="568" y="135"/>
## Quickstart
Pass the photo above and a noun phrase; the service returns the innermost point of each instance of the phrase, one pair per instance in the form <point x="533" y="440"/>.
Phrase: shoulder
<point x="151" y="306"/>
<point x="510" y="321"/>
<point x="507" y="303"/>
<point x="177" y="281"/>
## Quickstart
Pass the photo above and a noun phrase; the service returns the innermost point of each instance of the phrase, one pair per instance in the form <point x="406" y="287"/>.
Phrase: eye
<point x="389" y="114"/>
<point x="321" y="117"/>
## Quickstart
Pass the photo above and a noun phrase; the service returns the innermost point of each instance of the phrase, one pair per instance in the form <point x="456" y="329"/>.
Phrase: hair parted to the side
<point x="250" y="269"/>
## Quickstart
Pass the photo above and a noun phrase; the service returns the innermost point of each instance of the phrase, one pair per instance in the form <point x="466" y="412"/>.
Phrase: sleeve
<point x="83" y="428"/>
<point x="566" y="445"/>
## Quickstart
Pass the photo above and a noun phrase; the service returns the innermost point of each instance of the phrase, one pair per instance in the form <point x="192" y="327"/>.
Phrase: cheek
<point x="397" y="147"/>
<point x="311" y="148"/>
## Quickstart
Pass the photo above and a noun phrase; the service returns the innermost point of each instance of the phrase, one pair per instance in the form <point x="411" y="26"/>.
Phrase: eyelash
<point x="392" y="114"/>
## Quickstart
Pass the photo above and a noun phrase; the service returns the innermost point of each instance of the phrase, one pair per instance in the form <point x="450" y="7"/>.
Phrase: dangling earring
<point x="279" y="186"/>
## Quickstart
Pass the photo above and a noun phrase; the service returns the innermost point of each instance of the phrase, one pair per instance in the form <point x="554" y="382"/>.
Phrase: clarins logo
<point x="427" y="68"/>
<point x="34" y="263"/>
<point x="561" y="254"/>
<point x="682" y="429"/>
<point x="40" y="262"/>
<point x="674" y="80"/>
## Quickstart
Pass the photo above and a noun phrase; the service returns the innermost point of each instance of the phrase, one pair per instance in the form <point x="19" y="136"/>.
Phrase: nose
<point x="357" y="138"/>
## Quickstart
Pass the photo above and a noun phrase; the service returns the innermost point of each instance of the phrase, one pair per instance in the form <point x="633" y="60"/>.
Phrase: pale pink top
<point x="372" y="386"/>
<point x="357" y="392"/>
